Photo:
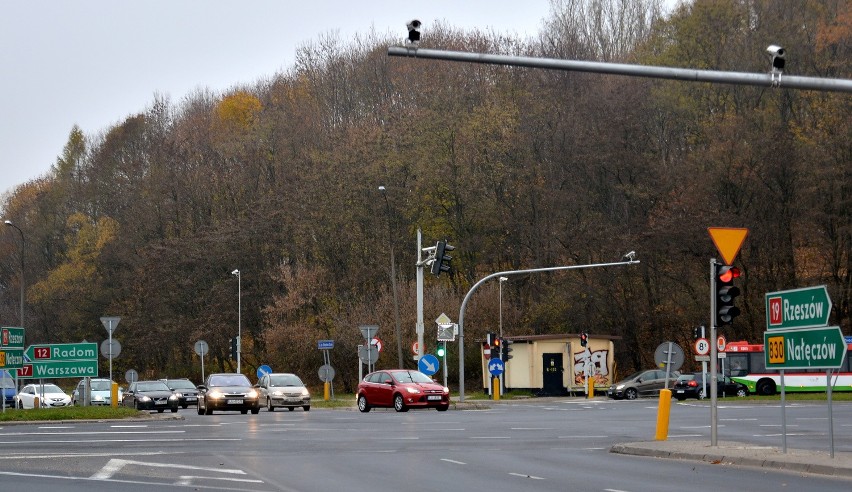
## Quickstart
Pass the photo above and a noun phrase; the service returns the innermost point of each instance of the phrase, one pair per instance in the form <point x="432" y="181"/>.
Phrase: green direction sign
<point x="57" y="352"/>
<point x="811" y="348"/>
<point x="798" y="308"/>
<point x="11" y="358"/>
<point x="59" y="369"/>
<point x="12" y="337"/>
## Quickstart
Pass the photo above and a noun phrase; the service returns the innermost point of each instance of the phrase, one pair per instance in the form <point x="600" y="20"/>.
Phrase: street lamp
<point x="10" y="224"/>
<point x="239" y="316"/>
<point x="502" y="279"/>
<point x="398" y="329"/>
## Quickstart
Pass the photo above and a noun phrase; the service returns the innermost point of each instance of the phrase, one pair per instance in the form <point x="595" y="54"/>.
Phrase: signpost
<point x="201" y="349"/>
<point x="11" y="348"/>
<point x="798" y="337"/>
<point x="798" y="308"/>
<point x="326" y="372"/>
<point x="60" y="360"/>
<point x="110" y="323"/>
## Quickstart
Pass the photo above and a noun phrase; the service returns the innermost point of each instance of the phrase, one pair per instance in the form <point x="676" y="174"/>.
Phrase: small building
<point x="555" y="364"/>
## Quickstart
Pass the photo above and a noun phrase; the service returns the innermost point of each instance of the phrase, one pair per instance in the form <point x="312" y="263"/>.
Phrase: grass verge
<point x="70" y="413"/>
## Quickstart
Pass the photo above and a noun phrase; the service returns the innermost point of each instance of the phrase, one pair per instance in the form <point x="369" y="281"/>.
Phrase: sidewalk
<point x="742" y="454"/>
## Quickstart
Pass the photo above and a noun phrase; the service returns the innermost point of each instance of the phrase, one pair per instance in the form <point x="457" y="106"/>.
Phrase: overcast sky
<point x="95" y="62"/>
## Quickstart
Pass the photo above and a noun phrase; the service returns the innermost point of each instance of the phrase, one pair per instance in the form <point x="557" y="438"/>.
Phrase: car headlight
<point x="251" y="394"/>
<point x="620" y="386"/>
<point x="305" y="392"/>
<point x="214" y="394"/>
<point x="173" y="397"/>
<point x="178" y="394"/>
<point x="412" y="390"/>
<point x="145" y="398"/>
<point x="446" y="390"/>
<point x="277" y="393"/>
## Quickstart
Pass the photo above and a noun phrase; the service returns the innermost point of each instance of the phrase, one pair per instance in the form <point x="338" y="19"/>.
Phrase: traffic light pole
<point x="714" y="353"/>
<point x="630" y="261"/>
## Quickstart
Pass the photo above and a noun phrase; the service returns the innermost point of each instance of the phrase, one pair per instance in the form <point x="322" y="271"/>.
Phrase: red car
<point x="401" y="389"/>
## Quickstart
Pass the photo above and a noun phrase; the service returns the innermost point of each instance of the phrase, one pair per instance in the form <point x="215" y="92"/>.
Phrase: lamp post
<point x="397" y="329"/>
<point x="10" y="224"/>
<point x="502" y="279"/>
<point x="239" y="316"/>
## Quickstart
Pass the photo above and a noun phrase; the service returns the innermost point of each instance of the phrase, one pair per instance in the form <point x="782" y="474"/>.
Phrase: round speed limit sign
<point x="702" y="346"/>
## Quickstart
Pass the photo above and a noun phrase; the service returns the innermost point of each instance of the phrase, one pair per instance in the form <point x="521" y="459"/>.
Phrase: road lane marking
<point x="55" y="427"/>
<point x="115" y="465"/>
<point x="83" y="455"/>
<point x="453" y="461"/>
<point x="582" y="437"/>
<point x="523" y="475"/>
<point x="77" y="441"/>
<point x="186" y="480"/>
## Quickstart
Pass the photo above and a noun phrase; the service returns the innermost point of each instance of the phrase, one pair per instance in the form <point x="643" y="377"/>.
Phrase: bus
<point x="745" y="363"/>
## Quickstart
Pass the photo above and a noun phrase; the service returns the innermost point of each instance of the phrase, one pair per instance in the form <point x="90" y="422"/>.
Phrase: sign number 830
<point x="776" y="350"/>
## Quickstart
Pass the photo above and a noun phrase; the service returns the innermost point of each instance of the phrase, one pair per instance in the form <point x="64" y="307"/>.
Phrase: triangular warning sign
<point x="728" y="241"/>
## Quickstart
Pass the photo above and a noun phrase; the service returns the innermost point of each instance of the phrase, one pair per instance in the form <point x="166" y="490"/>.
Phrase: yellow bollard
<point x="663" y="415"/>
<point x="495" y="387"/>
<point x="325" y="392"/>
<point x="113" y="393"/>
<point x="36" y="402"/>
<point x="591" y="388"/>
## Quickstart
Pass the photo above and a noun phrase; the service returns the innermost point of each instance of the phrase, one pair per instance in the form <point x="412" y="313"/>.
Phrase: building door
<point x="552" y="374"/>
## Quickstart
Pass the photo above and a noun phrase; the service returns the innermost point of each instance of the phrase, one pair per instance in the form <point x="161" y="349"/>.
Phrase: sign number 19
<point x="776" y="350"/>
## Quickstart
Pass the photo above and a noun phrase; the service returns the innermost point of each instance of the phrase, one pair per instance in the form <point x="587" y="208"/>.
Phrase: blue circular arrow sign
<point x="495" y="366"/>
<point x="263" y="371"/>
<point x="428" y="364"/>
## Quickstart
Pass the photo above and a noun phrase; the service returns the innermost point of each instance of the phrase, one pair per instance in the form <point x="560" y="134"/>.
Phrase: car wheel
<point x="20" y="405"/>
<point x="199" y="410"/>
<point x="174" y="410"/>
<point x="269" y="405"/>
<point x="306" y="408"/>
<point x="442" y="408"/>
<point x="742" y="392"/>
<point x="631" y="394"/>
<point x="399" y="404"/>
<point x="136" y="405"/>
<point x="680" y="398"/>
<point x="363" y="406"/>
<point x="207" y="409"/>
<point x="184" y="406"/>
<point x="244" y="411"/>
<point x="291" y="408"/>
<point x="160" y="410"/>
<point x="255" y="411"/>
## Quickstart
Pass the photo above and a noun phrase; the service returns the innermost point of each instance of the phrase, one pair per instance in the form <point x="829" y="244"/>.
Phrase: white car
<point x="49" y="396"/>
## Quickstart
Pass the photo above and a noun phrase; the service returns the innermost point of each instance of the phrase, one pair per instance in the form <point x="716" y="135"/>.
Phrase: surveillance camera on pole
<point x="776" y="56"/>
<point x="413" y="39"/>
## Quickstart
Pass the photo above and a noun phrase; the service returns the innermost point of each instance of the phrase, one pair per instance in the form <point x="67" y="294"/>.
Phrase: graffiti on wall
<point x="594" y="363"/>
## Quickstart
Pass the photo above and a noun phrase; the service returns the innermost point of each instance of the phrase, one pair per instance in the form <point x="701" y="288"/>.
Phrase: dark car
<point x="150" y="395"/>
<point x="8" y="389"/>
<point x="642" y="383"/>
<point x="692" y="386"/>
<point x="401" y="389"/>
<point x="227" y="391"/>
<point x="283" y="390"/>
<point x="185" y="390"/>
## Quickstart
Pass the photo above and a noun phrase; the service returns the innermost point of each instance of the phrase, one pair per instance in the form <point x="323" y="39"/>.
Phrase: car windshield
<point x="101" y="386"/>
<point x="634" y="375"/>
<point x="152" y="386"/>
<point x="687" y="377"/>
<point x="285" y="380"/>
<point x="229" y="380"/>
<point x="48" y="388"/>
<point x="411" y="377"/>
<point x="181" y="384"/>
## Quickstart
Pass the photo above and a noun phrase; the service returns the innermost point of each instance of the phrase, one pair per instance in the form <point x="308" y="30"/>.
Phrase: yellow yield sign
<point x="728" y="241"/>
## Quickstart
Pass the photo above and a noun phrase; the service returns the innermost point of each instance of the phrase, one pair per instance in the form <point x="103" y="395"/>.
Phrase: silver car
<point x="642" y="383"/>
<point x="283" y="390"/>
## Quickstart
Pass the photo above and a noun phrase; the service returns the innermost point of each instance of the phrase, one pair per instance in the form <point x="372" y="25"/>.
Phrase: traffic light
<point x="490" y="339"/>
<point x="726" y="292"/>
<point x="441" y="256"/>
<point x="235" y="347"/>
<point x="497" y="348"/>
<point x="584" y="339"/>
<point x="442" y="349"/>
<point x="506" y="353"/>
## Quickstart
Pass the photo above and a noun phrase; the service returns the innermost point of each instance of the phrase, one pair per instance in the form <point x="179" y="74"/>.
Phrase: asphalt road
<point x="539" y="445"/>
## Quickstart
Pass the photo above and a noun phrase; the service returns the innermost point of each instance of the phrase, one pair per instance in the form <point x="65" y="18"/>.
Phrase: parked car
<point x="283" y="390"/>
<point x="401" y="389"/>
<point x="100" y="390"/>
<point x="8" y="389"/>
<point x="227" y="391"/>
<point x="692" y="386"/>
<point x="49" y="396"/>
<point x="185" y="389"/>
<point x="150" y="395"/>
<point x="642" y="383"/>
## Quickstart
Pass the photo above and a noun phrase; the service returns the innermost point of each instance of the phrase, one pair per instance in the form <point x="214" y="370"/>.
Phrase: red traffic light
<point x="728" y="274"/>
